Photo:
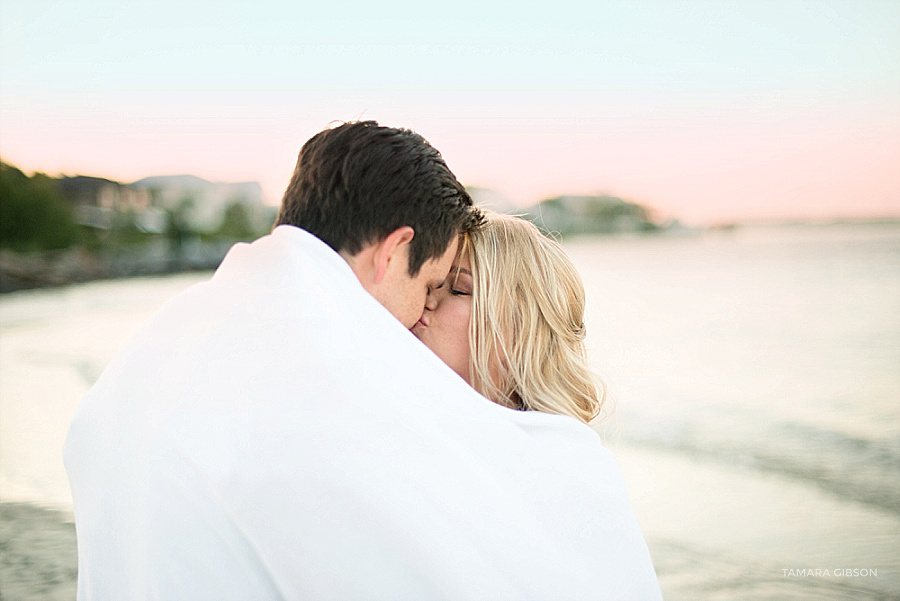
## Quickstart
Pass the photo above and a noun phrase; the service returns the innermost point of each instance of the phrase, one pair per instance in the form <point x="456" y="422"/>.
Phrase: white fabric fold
<point x="274" y="433"/>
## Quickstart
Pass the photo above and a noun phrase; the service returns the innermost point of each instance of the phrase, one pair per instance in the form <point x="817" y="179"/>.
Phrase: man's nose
<point x="430" y="300"/>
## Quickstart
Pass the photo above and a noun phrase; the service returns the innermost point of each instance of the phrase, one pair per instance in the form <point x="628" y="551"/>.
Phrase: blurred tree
<point x="179" y="230"/>
<point x="33" y="215"/>
<point x="236" y="223"/>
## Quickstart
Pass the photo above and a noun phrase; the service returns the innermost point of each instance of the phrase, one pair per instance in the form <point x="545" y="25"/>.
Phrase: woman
<point x="509" y="319"/>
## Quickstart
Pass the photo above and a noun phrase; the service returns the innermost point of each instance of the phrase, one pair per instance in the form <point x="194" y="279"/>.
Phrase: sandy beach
<point x="760" y="455"/>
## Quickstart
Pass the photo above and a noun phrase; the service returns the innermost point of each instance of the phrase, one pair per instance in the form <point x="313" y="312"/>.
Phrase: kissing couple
<point x="385" y="398"/>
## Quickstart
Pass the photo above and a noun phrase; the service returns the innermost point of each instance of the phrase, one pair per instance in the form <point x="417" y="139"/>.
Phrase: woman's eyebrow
<point x="460" y="270"/>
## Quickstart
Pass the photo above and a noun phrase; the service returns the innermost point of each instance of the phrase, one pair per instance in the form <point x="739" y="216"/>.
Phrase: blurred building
<point x="202" y="204"/>
<point x="103" y="204"/>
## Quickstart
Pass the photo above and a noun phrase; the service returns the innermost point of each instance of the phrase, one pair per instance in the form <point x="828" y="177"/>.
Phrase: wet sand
<point x="38" y="560"/>
<point x="720" y="532"/>
<point x="699" y="548"/>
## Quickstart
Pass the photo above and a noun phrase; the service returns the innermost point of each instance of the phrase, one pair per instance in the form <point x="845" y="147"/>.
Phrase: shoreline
<point x="56" y="269"/>
<point x="78" y="265"/>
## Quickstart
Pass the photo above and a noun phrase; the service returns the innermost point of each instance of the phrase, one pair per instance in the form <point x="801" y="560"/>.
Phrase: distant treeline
<point x="37" y="215"/>
<point x="600" y="214"/>
<point x="50" y="232"/>
<point x="66" y="229"/>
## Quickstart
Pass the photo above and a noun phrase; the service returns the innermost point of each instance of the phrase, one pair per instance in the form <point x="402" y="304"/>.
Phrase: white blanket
<point x="275" y="433"/>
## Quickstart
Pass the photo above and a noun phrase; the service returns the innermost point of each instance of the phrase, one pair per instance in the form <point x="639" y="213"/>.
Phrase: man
<point x="382" y="198"/>
<point x="278" y="433"/>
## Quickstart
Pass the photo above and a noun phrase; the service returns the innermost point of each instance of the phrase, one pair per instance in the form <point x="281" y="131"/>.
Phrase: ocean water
<point x="754" y="376"/>
<point x="757" y="379"/>
<point x="778" y="349"/>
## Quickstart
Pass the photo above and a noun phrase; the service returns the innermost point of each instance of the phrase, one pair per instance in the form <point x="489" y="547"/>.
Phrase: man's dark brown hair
<point x="357" y="183"/>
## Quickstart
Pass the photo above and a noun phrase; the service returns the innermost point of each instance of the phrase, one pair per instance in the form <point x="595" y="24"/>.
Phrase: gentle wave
<point x="863" y="470"/>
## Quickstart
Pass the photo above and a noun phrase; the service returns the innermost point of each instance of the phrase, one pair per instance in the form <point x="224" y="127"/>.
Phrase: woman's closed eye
<point x="456" y="292"/>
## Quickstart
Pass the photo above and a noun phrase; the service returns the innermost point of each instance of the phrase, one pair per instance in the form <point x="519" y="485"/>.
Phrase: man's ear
<point x="394" y="247"/>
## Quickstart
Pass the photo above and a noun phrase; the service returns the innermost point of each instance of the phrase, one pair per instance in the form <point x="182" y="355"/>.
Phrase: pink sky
<point x="699" y="111"/>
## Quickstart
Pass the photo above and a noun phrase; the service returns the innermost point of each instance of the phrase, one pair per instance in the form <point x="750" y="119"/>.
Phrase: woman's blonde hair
<point x="526" y="332"/>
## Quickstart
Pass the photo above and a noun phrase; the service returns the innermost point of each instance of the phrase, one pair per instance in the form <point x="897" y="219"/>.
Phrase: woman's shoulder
<point x="560" y="431"/>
